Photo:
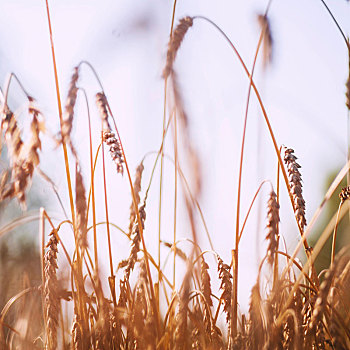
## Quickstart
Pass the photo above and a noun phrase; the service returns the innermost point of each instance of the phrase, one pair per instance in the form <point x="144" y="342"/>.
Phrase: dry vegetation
<point x="293" y="308"/>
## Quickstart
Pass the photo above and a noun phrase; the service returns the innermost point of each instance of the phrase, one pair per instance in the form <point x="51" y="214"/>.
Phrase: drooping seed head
<point x="175" y="43"/>
<point x="265" y="27"/>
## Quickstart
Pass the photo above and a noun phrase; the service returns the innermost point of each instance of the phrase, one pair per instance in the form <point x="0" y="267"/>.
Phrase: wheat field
<point x="166" y="292"/>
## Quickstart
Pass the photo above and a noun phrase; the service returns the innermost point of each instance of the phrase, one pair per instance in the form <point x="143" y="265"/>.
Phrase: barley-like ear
<point x="272" y="226"/>
<point x="175" y="42"/>
<point x="81" y="207"/>
<point x="296" y="186"/>
<point x="50" y="292"/>
<point x="137" y="190"/>
<point x="226" y="286"/>
<point x="67" y="120"/>
<point x="265" y="27"/>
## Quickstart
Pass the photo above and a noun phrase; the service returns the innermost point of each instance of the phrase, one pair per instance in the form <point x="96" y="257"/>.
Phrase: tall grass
<point x="292" y="305"/>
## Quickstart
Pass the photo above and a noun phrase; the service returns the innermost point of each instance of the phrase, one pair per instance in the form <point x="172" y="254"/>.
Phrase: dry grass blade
<point x="175" y="42"/>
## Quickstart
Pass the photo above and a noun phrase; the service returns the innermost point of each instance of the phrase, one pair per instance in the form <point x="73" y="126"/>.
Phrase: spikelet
<point x="255" y="315"/>
<point x="175" y="42"/>
<point x="179" y="252"/>
<point x="108" y="136"/>
<point x="135" y="242"/>
<point x="81" y="207"/>
<point x="77" y="335"/>
<point x="137" y="190"/>
<point x="296" y="186"/>
<point x="206" y="291"/>
<point x="50" y="292"/>
<point x="344" y="194"/>
<point x="272" y="226"/>
<point x="265" y="27"/>
<point x="226" y="286"/>
<point x="321" y="300"/>
<point x="101" y="102"/>
<point x="198" y="334"/>
<point x="181" y="335"/>
<point x="24" y="157"/>
<point x="36" y="127"/>
<point x="67" y="119"/>
<point x="216" y="339"/>
<point x="12" y="133"/>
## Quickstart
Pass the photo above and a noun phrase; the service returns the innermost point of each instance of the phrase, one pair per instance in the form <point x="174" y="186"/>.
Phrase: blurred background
<point x="126" y="41"/>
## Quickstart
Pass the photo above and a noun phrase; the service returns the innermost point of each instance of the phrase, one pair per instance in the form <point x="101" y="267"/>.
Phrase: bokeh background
<point x="126" y="40"/>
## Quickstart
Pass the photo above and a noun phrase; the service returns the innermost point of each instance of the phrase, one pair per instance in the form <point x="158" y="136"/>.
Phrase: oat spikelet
<point x="175" y="42"/>
<point x="272" y="226"/>
<point x="67" y="120"/>
<point x="296" y="186"/>
<point x="226" y="286"/>
<point x="264" y="24"/>
<point x="50" y="292"/>
<point x="81" y="207"/>
<point x="137" y="190"/>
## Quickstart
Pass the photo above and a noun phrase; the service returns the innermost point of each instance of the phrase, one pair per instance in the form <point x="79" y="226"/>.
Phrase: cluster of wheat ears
<point x="295" y="308"/>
